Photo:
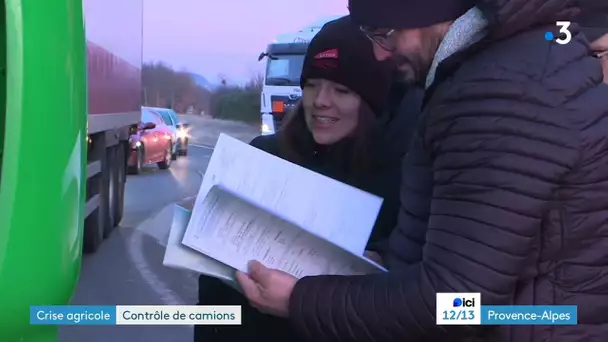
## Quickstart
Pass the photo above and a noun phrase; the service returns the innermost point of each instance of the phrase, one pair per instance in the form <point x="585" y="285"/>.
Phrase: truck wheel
<point x="111" y="183"/>
<point x="95" y="224"/>
<point x="166" y="163"/>
<point x="121" y="161"/>
<point x="93" y="232"/>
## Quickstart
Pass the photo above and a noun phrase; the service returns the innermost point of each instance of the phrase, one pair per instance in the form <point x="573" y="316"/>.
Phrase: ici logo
<point x="463" y="302"/>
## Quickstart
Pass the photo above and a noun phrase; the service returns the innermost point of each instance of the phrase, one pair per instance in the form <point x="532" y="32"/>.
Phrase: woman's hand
<point x="268" y="290"/>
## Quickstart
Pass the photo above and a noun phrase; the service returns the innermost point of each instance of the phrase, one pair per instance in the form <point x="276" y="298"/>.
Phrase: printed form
<point x="179" y="256"/>
<point x="234" y="231"/>
<point x="337" y="212"/>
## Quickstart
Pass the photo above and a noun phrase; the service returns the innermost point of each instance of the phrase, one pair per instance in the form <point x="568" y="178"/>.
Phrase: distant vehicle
<point x="183" y="136"/>
<point x="284" y="60"/>
<point x="179" y="132"/>
<point x="151" y="142"/>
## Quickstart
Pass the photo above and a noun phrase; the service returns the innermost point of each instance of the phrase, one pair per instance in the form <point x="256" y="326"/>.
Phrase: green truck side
<point x="62" y="149"/>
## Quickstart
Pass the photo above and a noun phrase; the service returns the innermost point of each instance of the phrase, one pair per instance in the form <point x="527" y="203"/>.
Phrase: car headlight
<point x="182" y="133"/>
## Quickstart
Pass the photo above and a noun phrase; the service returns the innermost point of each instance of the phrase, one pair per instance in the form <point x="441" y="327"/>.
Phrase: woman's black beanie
<point x="340" y="52"/>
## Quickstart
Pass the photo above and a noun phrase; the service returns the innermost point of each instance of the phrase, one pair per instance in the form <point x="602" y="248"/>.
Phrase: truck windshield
<point x="284" y="70"/>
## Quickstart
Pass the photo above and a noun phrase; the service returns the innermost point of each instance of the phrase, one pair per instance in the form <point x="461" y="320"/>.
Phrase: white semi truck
<point x="284" y="59"/>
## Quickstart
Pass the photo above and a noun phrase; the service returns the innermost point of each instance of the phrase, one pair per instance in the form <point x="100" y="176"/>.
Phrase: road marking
<point x="201" y="146"/>
<point x="136" y="254"/>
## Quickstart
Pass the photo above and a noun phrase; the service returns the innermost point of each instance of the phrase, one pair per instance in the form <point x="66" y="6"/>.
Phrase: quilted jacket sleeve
<point x="497" y="161"/>
<point x="267" y="143"/>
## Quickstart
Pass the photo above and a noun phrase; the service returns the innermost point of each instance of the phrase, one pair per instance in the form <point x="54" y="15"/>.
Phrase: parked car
<point x="151" y="142"/>
<point x="179" y="131"/>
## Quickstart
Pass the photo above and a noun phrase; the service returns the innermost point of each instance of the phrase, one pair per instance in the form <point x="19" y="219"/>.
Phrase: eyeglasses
<point x="601" y="54"/>
<point x="384" y="39"/>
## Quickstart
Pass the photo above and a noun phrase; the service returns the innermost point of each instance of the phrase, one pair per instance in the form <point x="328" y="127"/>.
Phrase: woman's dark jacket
<point x="504" y="193"/>
<point x="393" y="135"/>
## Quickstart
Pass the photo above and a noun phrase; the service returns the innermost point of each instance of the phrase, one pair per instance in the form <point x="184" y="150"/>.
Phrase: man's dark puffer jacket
<point x="505" y="192"/>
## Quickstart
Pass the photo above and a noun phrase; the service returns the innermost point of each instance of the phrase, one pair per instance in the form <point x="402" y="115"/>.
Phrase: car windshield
<point x="166" y="117"/>
<point x="173" y="115"/>
<point x="147" y="116"/>
<point x="284" y="70"/>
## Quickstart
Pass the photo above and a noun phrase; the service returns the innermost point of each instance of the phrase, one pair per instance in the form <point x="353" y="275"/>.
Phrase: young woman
<point x="337" y="130"/>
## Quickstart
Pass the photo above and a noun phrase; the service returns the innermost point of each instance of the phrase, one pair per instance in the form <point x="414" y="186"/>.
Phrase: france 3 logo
<point x="564" y="36"/>
<point x="456" y="308"/>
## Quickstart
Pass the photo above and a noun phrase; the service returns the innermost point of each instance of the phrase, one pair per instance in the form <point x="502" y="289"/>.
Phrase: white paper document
<point x="179" y="256"/>
<point x="234" y="231"/>
<point x="339" y="213"/>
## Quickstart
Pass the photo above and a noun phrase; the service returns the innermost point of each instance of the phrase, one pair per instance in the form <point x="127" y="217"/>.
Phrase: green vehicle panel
<point x="47" y="127"/>
<point x="41" y="194"/>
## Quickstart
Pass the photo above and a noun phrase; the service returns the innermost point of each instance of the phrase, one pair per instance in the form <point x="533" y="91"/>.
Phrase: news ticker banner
<point x="466" y="309"/>
<point x="452" y="309"/>
<point x="135" y="315"/>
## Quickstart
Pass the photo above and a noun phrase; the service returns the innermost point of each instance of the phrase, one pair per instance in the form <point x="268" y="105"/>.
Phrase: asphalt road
<point x="128" y="267"/>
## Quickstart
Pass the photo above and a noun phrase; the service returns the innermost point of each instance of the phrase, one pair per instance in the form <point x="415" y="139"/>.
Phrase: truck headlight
<point x="266" y="129"/>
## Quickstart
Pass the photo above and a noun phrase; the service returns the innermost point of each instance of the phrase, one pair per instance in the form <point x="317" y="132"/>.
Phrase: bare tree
<point x="256" y="82"/>
<point x="164" y="87"/>
<point x="223" y="79"/>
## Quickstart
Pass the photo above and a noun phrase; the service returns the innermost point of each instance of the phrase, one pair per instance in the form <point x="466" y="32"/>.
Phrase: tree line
<point x="168" y="88"/>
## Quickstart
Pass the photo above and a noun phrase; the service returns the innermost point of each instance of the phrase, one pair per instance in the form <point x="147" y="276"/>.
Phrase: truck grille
<point x="281" y="105"/>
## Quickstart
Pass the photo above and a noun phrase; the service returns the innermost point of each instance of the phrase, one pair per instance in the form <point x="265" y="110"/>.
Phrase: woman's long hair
<point x="352" y="153"/>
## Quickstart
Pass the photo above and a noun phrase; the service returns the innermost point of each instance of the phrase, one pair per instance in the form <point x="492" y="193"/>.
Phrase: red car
<point x="151" y="143"/>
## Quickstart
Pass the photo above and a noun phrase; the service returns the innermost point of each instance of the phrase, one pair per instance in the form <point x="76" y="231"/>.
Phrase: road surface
<point x="128" y="267"/>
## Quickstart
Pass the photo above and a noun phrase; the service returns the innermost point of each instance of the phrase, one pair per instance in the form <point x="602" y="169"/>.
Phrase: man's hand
<point x="373" y="256"/>
<point x="268" y="290"/>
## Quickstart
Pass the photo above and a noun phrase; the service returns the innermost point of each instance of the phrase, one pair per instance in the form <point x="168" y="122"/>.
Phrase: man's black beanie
<point x="406" y="14"/>
<point x="593" y="18"/>
<point x="340" y="52"/>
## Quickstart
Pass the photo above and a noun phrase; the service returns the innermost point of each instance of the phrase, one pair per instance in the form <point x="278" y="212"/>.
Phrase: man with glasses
<point x="594" y="24"/>
<point x="504" y="190"/>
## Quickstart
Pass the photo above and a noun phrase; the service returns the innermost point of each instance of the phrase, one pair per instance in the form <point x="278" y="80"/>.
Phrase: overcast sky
<point x="213" y="37"/>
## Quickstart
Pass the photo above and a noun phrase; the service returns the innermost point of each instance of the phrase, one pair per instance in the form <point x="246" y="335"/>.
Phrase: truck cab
<point x="281" y="90"/>
<point x="284" y="60"/>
